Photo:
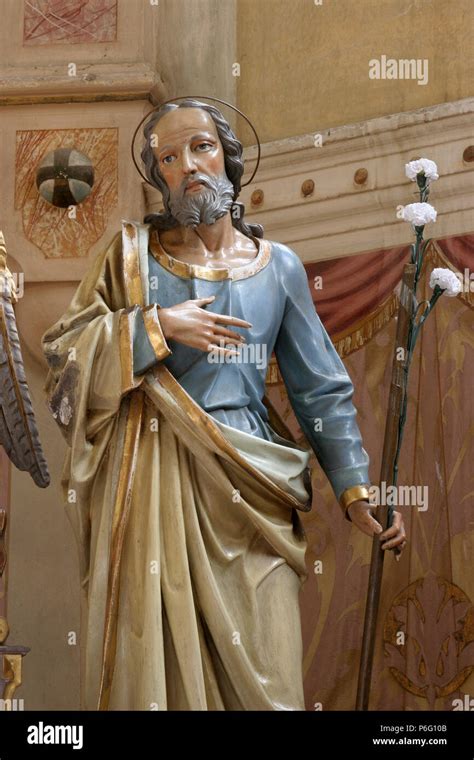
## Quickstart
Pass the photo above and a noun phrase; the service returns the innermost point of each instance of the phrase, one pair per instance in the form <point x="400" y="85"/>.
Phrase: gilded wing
<point x="18" y="432"/>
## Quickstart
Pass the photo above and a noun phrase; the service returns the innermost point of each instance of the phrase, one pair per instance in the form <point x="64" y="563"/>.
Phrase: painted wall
<point x="304" y="66"/>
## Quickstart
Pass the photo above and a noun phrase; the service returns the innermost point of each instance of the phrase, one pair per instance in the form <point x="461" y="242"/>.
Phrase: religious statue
<point x="184" y="496"/>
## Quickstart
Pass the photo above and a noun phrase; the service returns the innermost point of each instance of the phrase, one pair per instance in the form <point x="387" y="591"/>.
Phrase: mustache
<point x="202" y="178"/>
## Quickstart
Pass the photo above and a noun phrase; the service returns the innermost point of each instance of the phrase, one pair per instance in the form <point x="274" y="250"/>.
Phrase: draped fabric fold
<point x="162" y="626"/>
<point x="354" y="287"/>
<point x="429" y="594"/>
<point x="171" y="519"/>
<point x="356" y="296"/>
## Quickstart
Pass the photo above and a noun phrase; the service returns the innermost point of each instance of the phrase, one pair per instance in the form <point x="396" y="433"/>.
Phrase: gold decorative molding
<point x="11" y="674"/>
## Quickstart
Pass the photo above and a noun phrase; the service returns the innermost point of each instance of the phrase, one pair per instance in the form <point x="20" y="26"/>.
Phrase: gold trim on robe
<point x="187" y="271"/>
<point x="154" y="332"/>
<point x="131" y="266"/>
<point x="191" y="559"/>
<point x="120" y="519"/>
<point x="204" y="421"/>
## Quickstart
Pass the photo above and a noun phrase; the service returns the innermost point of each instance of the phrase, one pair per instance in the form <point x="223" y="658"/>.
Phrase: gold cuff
<point x="154" y="331"/>
<point x="350" y="495"/>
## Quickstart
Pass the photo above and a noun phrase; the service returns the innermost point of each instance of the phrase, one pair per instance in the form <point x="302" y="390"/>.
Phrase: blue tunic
<point x="272" y="294"/>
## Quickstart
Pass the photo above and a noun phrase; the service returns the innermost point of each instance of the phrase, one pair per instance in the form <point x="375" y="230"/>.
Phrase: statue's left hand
<point x="361" y="515"/>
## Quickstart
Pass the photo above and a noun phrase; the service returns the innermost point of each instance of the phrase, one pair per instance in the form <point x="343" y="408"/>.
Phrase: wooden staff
<point x="384" y="513"/>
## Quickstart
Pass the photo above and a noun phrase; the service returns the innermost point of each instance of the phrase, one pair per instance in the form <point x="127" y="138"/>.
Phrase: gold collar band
<point x="187" y="271"/>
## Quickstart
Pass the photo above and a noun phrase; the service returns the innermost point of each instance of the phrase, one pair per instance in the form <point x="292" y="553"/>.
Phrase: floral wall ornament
<point x="433" y="667"/>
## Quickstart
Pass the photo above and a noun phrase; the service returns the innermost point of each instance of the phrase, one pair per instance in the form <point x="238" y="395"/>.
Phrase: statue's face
<point x="191" y="161"/>
<point x="188" y="143"/>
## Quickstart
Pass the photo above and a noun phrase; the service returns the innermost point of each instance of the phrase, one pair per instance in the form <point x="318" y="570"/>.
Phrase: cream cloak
<point x="191" y="556"/>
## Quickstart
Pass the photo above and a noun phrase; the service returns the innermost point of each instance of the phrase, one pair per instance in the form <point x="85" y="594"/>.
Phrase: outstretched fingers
<point x="230" y="335"/>
<point x="222" y="350"/>
<point x="225" y="319"/>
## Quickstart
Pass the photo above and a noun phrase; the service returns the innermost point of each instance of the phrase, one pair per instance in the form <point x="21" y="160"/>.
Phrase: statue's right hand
<point x="192" y="325"/>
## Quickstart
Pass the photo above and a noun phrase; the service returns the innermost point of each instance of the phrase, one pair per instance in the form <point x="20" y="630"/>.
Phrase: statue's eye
<point x="200" y="145"/>
<point x="164" y="160"/>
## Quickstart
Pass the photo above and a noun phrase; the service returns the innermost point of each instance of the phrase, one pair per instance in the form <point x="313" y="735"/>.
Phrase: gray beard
<point x="205" y="206"/>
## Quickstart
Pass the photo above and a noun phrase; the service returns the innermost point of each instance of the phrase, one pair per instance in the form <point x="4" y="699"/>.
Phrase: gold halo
<point x="194" y="97"/>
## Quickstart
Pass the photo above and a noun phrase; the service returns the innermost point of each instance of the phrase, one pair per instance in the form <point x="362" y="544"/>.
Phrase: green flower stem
<point x="413" y="332"/>
<point x="418" y="250"/>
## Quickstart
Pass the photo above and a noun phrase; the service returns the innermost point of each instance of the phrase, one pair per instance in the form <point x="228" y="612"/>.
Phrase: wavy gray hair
<point x="234" y="168"/>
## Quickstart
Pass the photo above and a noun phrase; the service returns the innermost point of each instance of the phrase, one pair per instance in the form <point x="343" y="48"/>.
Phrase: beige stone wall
<point x="43" y="593"/>
<point x="43" y="587"/>
<point x="304" y="67"/>
<point x="195" y="47"/>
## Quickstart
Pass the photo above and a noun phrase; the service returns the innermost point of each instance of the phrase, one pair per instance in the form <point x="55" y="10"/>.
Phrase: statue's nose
<point x="188" y="161"/>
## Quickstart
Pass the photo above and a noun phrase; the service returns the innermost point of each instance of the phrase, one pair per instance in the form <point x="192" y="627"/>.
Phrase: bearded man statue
<point x="183" y="491"/>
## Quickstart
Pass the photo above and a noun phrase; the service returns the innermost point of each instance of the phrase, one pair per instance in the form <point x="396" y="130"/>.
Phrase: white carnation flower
<point x="419" y="214"/>
<point x="421" y="166"/>
<point x="446" y="280"/>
